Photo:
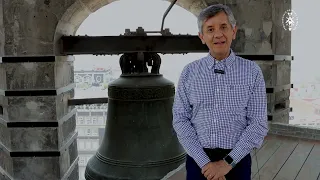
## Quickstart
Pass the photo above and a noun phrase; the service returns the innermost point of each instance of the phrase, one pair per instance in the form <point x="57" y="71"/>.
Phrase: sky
<point x="305" y="40"/>
<point x="121" y="15"/>
<point x="114" y="18"/>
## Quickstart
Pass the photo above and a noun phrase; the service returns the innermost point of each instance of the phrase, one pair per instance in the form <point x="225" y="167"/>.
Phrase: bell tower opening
<point x="93" y="73"/>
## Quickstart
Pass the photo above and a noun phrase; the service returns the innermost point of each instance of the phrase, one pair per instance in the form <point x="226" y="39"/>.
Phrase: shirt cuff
<point x="237" y="154"/>
<point x="202" y="159"/>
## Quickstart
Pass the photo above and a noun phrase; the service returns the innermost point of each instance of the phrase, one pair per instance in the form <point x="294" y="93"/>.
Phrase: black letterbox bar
<point x="75" y="102"/>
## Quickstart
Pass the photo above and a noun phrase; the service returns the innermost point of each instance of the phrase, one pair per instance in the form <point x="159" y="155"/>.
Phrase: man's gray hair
<point x="211" y="11"/>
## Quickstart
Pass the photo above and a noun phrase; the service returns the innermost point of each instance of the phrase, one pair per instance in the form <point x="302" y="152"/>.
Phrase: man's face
<point x="217" y="34"/>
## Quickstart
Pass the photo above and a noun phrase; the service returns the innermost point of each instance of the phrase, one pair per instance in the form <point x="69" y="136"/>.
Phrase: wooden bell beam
<point x="109" y="45"/>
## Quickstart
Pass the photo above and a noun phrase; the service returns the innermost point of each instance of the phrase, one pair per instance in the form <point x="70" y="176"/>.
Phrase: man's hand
<point x="216" y="170"/>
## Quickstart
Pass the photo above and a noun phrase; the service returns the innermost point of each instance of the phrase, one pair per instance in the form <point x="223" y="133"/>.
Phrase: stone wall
<point x="295" y="131"/>
<point x="37" y="127"/>
<point x="277" y="75"/>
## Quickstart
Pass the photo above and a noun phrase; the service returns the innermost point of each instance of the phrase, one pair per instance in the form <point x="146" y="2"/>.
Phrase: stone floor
<point x="281" y="158"/>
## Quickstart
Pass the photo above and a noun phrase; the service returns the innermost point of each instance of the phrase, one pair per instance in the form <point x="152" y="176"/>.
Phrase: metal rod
<point x="166" y="13"/>
<point x="75" y="102"/>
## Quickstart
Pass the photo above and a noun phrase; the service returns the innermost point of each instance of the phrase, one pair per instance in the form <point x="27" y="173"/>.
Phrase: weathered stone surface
<point x="277" y="101"/>
<point x="278" y="96"/>
<point x="76" y="13"/>
<point x="40" y="22"/>
<point x="276" y="73"/>
<point x="193" y="6"/>
<point x="36" y="108"/>
<point x="106" y="2"/>
<point x="42" y="139"/>
<point x="37" y="75"/>
<point x="36" y="168"/>
<point x="274" y="107"/>
<point x="69" y="157"/>
<point x="56" y="7"/>
<point x="67" y="129"/>
<point x="281" y="116"/>
<point x="1" y="111"/>
<point x="31" y="108"/>
<point x="62" y="107"/>
<point x="3" y="176"/>
<point x="5" y="135"/>
<point x="34" y="139"/>
<point x="37" y="36"/>
<point x="91" y="5"/>
<point x="38" y="139"/>
<point x="28" y="46"/>
<point x="2" y="40"/>
<point x="311" y="133"/>
<point x="74" y="174"/>
<point x="281" y="38"/>
<point x="2" y="76"/>
<point x="39" y="168"/>
<point x="64" y="71"/>
<point x="6" y="162"/>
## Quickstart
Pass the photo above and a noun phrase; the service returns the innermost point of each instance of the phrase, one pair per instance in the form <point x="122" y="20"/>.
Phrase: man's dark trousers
<point x="242" y="171"/>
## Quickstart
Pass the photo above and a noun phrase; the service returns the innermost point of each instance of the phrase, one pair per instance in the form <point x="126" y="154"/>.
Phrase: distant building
<point x="305" y="101"/>
<point x="98" y="77"/>
<point x="91" y="119"/>
<point x="306" y="91"/>
<point x="305" y="112"/>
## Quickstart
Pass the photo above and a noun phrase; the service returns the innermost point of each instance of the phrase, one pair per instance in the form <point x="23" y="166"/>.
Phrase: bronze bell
<point x="139" y="140"/>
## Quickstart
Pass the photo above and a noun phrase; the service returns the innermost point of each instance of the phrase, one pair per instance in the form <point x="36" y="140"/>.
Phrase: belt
<point x="216" y="154"/>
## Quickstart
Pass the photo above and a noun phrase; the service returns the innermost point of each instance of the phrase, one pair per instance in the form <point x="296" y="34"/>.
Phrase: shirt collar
<point x="227" y="61"/>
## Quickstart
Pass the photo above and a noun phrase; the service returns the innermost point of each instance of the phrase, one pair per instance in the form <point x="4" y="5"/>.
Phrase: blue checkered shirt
<point x="213" y="110"/>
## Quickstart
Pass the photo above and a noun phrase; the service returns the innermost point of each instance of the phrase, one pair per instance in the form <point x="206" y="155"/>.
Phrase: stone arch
<point x="73" y="15"/>
<point x="39" y="125"/>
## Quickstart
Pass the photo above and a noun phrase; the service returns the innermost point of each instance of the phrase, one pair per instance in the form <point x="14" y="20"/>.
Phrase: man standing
<point x="220" y="107"/>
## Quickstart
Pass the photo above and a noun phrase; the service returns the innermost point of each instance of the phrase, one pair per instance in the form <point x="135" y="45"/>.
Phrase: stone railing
<point x="310" y="133"/>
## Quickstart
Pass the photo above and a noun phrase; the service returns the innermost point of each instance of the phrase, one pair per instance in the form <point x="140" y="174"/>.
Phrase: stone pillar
<point x="37" y="129"/>
<point x="2" y="42"/>
<point x="260" y="32"/>
<point x="277" y="77"/>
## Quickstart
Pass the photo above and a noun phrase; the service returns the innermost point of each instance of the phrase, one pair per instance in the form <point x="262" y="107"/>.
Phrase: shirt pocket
<point x="236" y="97"/>
<point x="201" y="92"/>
